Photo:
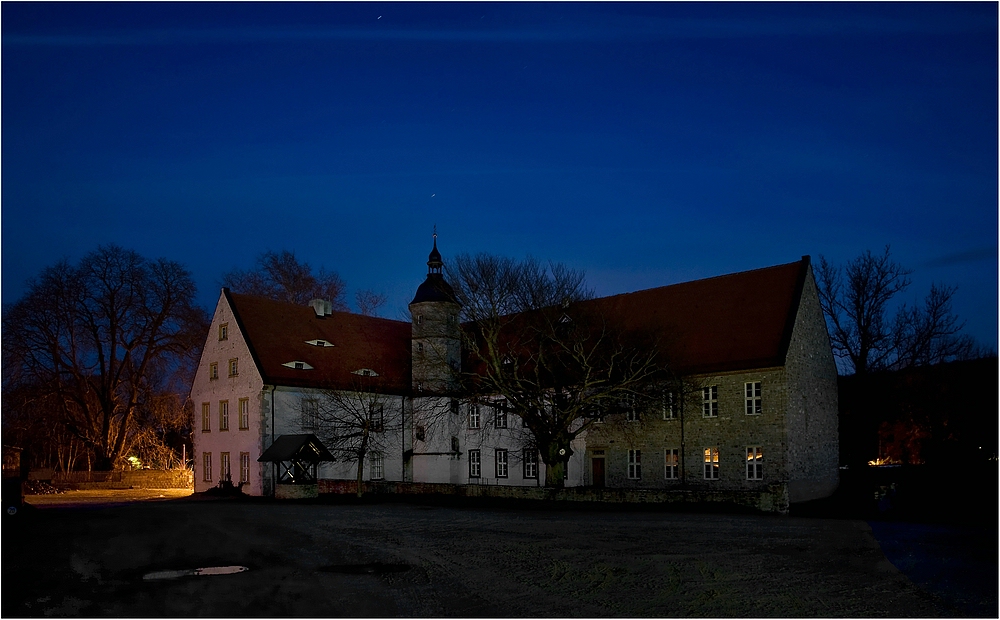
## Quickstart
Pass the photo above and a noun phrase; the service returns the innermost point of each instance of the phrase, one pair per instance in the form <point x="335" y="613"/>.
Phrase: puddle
<point x="194" y="572"/>
<point x="375" y="568"/>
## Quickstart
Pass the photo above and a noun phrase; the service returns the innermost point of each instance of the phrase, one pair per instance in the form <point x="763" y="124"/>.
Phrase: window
<point x="671" y="461"/>
<point x="474" y="463"/>
<point x="501" y="463"/>
<point x="420" y="347"/>
<point x="244" y="467"/>
<point x="298" y="365"/>
<point x="530" y="461"/>
<point x="754" y="406"/>
<point x="419" y="433"/>
<point x="224" y="473"/>
<point x="206" y="417"/>
<point x="635" y="464"/>
<point x="711" y="463"/>
<point x="234" y="367"/>
<point x="669" y="406"/>
<point x="755" y="463"/>
<point x="473" y="415"/>
<point x="631" y="411"/>
<point x="378" y="418"/>
<point x="454" y="444"/>
<point x="710" y="401"/>
<point x="244" y="414"/>
<point x="206" y="466"/>
<point x="224" y="331"/>
<point x="223" y="415"/>
<point x="310" y="412"/>
<point x="453" y="406"/>
<point x="500" y="414"/>
<point x="213" y="370"/>
<point x="377" y="470"/>
<point x="420" y="319"/>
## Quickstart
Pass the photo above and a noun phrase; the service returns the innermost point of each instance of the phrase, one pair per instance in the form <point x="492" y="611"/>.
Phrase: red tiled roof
<point x="737" y="321"/>
<point x="277" y="332"/>
<point x="730" y="322"/>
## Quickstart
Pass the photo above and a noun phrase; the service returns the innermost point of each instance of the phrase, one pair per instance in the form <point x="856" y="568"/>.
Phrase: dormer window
<point x="297" y="365"/>
<point x="319" y="343"/>
<point x="365" y="372"/>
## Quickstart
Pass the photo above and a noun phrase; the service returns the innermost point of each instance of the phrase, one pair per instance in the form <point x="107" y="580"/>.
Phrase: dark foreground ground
<point x="395" y="559"/>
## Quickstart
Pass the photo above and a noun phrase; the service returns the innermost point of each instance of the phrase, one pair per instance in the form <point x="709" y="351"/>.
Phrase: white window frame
<point x="500" y="463"/>
<point x="475" y="464"/>
<point x="224" y="331"/>
<point x="631" y="410"/>
<point x="310" y="414"/>
<point x="223" y="415"/>
<point x="234" y="367"/>
<point x="474" y="419"/>
<point x="244" y="467"/>
<point x="244" y="414"/>
<point x="500" y="414"/>
<point x="213" y="371"/>
<point x="710" y="401"/>
<point x="711" y="462"/>
<point x="376" y="469"/>
<point x="206" y="417"/>
<point x="671" y="463"/>
<point x="754" y="401"/>
<point x="669" y="406"/>
<point x="206" y="466"/>
<point x="635" y="464"/>
<point x="755" y="462"/>
<point x="530" y="462"/>
<point x="225" y="467"/>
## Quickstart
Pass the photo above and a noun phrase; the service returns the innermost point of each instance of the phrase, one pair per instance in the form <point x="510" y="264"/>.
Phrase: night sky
<point x="647" y="144"/>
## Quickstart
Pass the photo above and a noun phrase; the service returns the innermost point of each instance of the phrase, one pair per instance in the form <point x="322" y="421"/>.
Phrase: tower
<point x="436" y="340"/>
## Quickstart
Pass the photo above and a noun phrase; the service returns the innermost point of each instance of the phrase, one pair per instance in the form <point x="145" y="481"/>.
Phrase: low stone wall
<point x="140" y="479"/>
<point x="296" y="491"/>
<point x="773" y="499"/>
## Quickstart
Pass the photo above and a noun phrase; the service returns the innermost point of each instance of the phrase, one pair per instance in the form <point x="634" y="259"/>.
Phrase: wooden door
<point x="598" y="471"/>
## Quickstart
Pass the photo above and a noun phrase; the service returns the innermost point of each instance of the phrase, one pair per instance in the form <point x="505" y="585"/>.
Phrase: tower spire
<point x="434" y="262"/>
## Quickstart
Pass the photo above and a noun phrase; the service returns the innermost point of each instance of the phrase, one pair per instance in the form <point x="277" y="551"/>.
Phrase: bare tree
<point x="357" y="423"/>
<point x="857" y="300"/>
<point x="280" y="276"/>
<point x="96" y="339"/>
<point x="369" y="302"/>
<point x="555" y="360"/>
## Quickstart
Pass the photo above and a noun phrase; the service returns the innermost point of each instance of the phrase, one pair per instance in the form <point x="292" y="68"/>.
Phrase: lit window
<point x="500" y="414"/>
<point x="755" y="463"/>
<point x="711" y="463"/>
<point x="635" y="464"/>
<point x="474" y="463"/>
<point x="223" y="415"/>
<point x="669" y="406"/>
<point x="754" y="406"/>
<point x="671" y="461"/>
<point x="224" y="473"/>
<point x="234" y="367"/>
<point x="244" y="467"/>
<point x="473" y="415"/>
<point x="310" y="413"/>
<point x="224" y="331"/>
<point x="710" y="401"/>
<point x="377" y="469"/>
<point x="206" y="417"/>
<point x="213" y="370"/>
<point x="501" y="463"/>
<point x="530" y="461"/>
<point x="244" y="414"/>
<point x="206" y="466"/>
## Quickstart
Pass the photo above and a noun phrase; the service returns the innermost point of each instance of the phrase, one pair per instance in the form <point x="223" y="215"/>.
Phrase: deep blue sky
<point x="645" y="143"/>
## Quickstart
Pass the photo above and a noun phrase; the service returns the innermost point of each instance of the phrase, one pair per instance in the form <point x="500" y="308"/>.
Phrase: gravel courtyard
<point x="411" y="560"/>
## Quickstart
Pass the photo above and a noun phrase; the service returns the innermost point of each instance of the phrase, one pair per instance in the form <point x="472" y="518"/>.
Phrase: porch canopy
<point x="297" y="457"/>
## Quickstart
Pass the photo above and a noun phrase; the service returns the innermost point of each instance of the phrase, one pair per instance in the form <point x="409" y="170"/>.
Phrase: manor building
<point x="758" y="411"/>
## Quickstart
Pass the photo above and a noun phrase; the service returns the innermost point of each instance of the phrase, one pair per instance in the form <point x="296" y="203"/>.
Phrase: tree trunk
<point x="555" y="462"/>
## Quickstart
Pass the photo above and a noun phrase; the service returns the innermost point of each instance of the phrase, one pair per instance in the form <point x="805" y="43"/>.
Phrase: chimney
<point x="321" y="307"/>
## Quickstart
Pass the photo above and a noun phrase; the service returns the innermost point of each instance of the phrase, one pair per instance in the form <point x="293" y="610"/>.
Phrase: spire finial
<point x="434" y="262"/>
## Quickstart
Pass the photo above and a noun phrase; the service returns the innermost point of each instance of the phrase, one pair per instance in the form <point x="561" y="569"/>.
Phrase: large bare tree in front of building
<point x="282" y="277"/>
<point x="357" y="422"/>
<point x="554" y="360"/>
<point x="869" y="334"/>
<point x="95" y="342"/>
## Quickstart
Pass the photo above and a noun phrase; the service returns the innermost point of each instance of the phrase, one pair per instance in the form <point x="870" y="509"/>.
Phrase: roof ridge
<point x="288" y="303"/>
<point x="698" y="280"/>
